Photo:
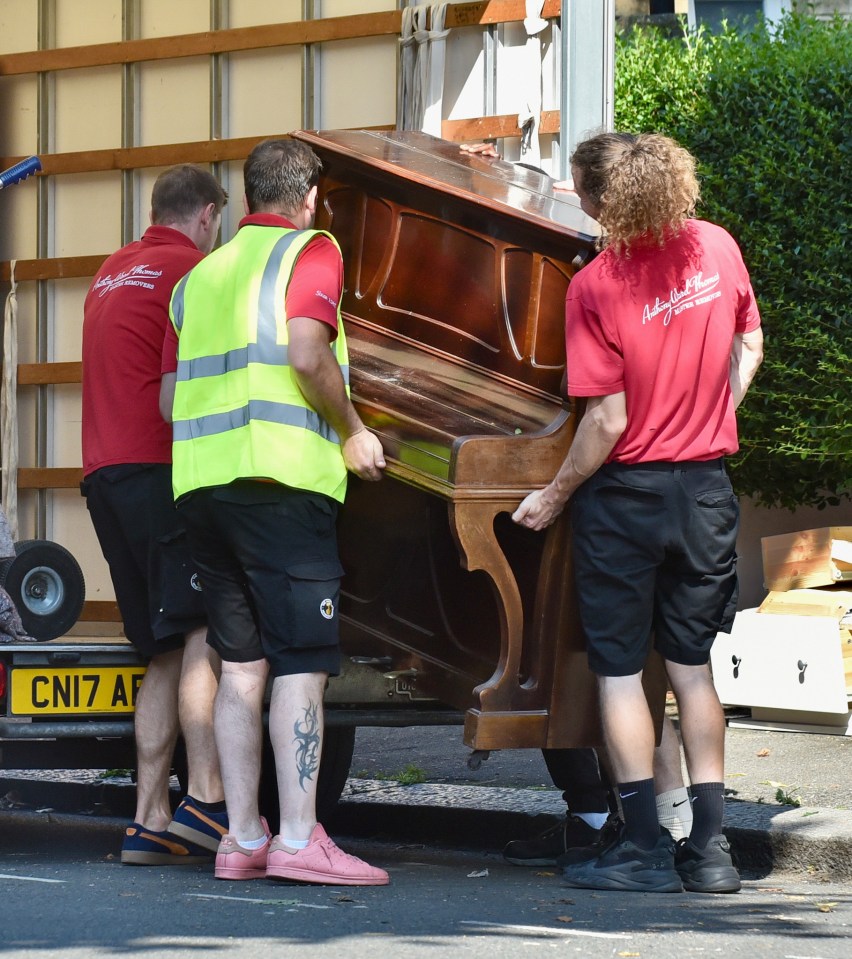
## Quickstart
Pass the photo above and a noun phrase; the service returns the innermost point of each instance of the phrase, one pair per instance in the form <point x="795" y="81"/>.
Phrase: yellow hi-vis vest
<point x="238" y="412"/>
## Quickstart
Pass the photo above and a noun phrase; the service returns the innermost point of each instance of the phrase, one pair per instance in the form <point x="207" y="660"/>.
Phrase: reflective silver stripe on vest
<point x="177" y="302"/>
<point x="281" y="413"/>
<point x="266" y="326"/>
<point x="238" y="359"/>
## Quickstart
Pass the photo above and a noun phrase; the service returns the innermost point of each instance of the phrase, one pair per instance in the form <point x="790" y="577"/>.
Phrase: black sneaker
<point x="609" y="831"/>
<point x="545" y="848"/>
<point x="709" y="869"/>
<point x="624" y="866"/>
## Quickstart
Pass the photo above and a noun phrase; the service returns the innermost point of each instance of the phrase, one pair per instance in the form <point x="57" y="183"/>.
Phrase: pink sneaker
<point x="233" y="861"/>
<point x="321" y="862"/>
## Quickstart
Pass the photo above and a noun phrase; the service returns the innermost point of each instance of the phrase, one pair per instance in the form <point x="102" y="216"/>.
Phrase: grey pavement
<point x="510" y="796"/>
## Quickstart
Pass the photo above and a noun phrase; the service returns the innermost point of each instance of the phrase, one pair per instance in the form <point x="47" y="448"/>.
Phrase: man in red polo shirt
<point x="127" y="453"/>
<point x="663" y="338"/>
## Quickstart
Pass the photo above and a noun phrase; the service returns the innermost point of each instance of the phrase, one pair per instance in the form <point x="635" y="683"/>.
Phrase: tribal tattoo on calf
<point x="308" y="739"/>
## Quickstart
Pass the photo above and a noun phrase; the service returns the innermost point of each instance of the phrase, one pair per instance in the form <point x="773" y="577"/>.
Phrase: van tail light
<point x="2" y="680"/>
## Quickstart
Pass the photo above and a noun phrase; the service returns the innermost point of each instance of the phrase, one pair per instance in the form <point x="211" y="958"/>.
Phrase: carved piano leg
<point x="511" y="714"/>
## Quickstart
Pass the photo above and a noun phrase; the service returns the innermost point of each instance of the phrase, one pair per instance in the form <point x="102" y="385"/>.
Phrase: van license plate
<point x="75" y="690"/>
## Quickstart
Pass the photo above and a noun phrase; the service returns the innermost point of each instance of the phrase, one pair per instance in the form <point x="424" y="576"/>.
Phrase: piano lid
<point x="495" y="185"/>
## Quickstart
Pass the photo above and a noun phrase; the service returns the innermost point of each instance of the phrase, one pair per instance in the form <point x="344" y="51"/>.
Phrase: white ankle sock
<point x="593" y="819"/>
<point x="296" y="843"/>
<point x="254" y="843"/>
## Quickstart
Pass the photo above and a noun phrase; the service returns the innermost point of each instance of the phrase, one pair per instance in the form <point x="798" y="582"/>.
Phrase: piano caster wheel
<point x="477" y="757"/>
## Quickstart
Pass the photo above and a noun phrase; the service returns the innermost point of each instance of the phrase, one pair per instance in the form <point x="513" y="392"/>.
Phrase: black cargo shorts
<point x="655" y="557"/>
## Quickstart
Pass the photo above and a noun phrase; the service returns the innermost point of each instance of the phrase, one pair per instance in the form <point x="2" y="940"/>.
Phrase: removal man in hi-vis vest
<point x="264" y="433"/>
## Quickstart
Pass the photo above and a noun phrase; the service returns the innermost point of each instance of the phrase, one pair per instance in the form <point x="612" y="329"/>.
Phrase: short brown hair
<point x="180" y="192"/>
<point x="644" y="185"/>
<point x="279" y="174"/>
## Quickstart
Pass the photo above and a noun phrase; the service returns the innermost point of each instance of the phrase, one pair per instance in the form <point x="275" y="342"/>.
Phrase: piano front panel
<point x="455" y="291"/>
<point x="474" y="297"/>
<point x="547" y="352"/>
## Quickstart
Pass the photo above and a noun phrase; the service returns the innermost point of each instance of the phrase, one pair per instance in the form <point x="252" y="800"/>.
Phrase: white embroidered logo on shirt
<point x="140" y="275"/>
<point x="326" y="297"/>
<point x="695" y="291"/>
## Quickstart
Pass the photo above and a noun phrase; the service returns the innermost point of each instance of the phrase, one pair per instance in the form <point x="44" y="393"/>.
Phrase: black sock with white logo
<point x="708" y="808"/>
<point x="639" y="806"/>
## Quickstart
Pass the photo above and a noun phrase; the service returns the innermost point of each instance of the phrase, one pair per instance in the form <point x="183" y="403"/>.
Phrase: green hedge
<point x="769" y="117"/>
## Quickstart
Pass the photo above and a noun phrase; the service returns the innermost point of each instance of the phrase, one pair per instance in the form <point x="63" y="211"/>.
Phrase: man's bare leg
<point x="156" y="728"/>
<point x="702" y="721"/>
<point x="296" y="729"/>
<point x="238" y="724"/>
<point x="627" y="726"/>
<point x="668" y="777"/>
<point x="199" y="682"/>
<point x="630" y="740"/>
<point x="668" y="766"/>
<point x="302" y="850"/>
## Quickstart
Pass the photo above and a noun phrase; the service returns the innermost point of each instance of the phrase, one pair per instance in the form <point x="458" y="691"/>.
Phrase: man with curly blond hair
<point x="663" y="339"/>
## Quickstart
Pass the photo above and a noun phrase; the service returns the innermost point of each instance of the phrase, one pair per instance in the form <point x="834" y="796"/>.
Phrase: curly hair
<point x="644" y="185"/>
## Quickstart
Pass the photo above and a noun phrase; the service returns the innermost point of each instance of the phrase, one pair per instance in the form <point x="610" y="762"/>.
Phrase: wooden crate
<point x="810" y="557"/>
<point x="808" y="602"/>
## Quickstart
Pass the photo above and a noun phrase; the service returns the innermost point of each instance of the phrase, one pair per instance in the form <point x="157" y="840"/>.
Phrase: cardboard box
<point x="790" y="660"/>
<point x="810" y="557"/>
<point x="784" y="661"/>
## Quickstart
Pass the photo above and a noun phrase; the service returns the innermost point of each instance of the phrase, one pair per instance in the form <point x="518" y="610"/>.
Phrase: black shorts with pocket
<point x="268" y="560"/>
<point x="144" y="542"/>
<point x="655" y="560"/>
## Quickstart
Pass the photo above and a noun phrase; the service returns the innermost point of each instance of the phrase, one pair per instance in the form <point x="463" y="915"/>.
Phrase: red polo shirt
<point x="658" y="325"/>
<point x="125" y="317"/>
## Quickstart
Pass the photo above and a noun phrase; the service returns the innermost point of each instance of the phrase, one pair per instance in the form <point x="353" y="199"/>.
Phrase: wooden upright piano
<point x="456" y="269"/>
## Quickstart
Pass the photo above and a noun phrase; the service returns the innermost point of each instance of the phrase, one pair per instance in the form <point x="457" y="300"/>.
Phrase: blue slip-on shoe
<point x="144" y="847"/>
<point x="198" y="826"/>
